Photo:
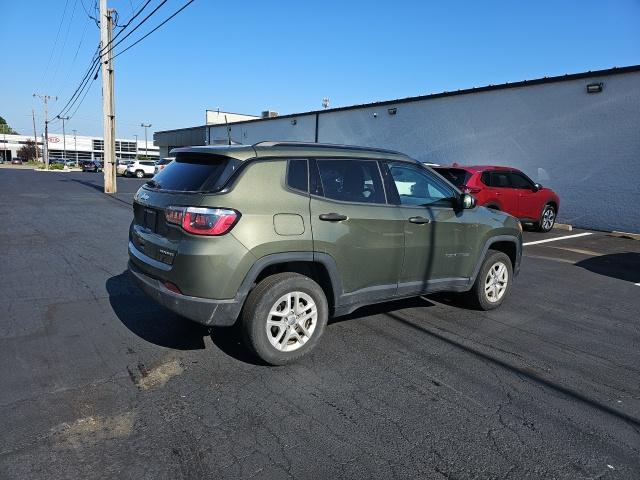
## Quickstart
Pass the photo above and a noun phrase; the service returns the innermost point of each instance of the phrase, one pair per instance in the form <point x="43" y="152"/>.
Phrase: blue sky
<point x="286" y="56"/>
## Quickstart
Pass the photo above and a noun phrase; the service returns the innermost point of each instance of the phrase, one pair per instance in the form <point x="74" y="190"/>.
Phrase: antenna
<point x="228" y="129"/>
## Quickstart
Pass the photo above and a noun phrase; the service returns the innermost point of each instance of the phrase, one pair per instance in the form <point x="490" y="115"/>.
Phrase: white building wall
<point x="585" y="146"/>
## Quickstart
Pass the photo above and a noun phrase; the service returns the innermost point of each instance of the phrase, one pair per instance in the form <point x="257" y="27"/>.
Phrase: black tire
<point x="256" y="313"/>
<point x="478" y="297"/>
<point x="139" y="174"/>
<point x="547" y="219"/>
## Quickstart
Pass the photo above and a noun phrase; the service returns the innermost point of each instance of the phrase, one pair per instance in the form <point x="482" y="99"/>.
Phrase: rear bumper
<point x="201" y="310"/>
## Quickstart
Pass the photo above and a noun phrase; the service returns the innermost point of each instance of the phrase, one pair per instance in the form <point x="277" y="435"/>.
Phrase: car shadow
<point x="151" y="321"/>
<point x="623" y="266"/>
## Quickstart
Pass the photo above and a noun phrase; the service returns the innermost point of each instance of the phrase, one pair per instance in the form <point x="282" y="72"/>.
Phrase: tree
<point x="5" y="128"/>
<point x="28" y="151"/>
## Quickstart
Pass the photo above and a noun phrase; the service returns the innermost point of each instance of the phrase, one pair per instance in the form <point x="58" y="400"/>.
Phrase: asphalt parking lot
<point x="100" y="382"/>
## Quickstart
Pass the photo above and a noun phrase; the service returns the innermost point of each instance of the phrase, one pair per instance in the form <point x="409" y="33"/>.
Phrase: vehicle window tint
<point x="418" y="187"/>
<point x="500" y="180"/>
<point x="148" y="164"/>
<point x="519" y="181"/>
<point x="297" y="175"/>
<point x="486" y="178"/>
<point x="457" y="176"/>
<point x="196" y="172"/>
<point x="351" y="180"/>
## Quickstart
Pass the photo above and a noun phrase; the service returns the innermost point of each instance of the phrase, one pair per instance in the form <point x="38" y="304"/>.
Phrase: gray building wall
<point x="585" y="146"/>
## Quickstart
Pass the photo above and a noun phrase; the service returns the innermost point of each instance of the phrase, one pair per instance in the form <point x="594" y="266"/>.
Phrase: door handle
<point x="498" y="193"/>
<point x="419" y="220"/>
<point x="332" y="217"/>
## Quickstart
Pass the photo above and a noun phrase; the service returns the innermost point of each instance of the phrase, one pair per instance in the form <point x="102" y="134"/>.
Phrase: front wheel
<point x="284" y="317"/>
<point x="547" y="219"/>
<point x="492" y="283"/>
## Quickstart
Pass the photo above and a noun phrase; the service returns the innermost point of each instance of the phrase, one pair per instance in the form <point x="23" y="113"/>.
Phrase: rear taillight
<point x="202" y="221"/>
<point x="471" y="190"/>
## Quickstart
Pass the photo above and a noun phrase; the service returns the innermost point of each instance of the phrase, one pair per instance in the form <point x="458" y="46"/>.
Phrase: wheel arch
<point x="319" y="267"/>
<point x="508" y="244"/>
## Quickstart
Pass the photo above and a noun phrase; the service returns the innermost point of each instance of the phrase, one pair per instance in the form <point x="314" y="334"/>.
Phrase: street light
<point x="64" y="138"/>
<point x="136" y="145"/>
<point x="75" y="146"/>
<point x="146" y="150"/>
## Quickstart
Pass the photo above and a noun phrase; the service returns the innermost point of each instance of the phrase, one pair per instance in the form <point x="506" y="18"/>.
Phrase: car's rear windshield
<point x="457" y="176"/>
<point x="195" y="172"/>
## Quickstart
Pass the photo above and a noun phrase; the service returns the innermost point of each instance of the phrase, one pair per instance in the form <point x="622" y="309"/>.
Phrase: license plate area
<point x="150" y="219"/>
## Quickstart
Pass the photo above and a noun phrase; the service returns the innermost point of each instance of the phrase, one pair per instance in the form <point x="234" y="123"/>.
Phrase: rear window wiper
<point x="153" y="184"/>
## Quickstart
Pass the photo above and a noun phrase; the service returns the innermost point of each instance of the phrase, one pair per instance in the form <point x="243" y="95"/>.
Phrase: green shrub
<point x="56" y="166"/>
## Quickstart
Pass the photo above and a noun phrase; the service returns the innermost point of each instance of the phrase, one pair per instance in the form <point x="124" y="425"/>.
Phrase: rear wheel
<point x="284" y="317"/>
<point x="492" y="283"/>
<point x="547" y="219"/>
<point x="139" y="173"/>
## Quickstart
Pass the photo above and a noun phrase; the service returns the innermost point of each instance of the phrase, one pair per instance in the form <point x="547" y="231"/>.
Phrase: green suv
<point x="282" y="235"/>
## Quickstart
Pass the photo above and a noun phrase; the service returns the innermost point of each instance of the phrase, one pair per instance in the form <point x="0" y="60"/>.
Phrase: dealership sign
<point x="54" y="140"/>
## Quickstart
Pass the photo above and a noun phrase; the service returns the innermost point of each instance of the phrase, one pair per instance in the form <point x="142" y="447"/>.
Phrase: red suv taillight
<point x="202" y="221"/>
<point x="471" y="190"/>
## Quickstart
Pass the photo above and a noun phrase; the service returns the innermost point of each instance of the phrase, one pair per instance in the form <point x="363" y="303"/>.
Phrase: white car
<point x="163" y="162"/>
<point x="140" y="168"/>
<point x="121" y="168"/>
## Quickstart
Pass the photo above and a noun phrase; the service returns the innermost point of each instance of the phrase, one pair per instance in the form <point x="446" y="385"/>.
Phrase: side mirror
<point x="467" y="201"/>
<point x="536" y="187"/>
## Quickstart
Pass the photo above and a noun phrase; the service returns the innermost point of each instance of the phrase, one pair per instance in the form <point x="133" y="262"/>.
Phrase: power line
<point x="149" y="33"/>
<point x="95" y="61"/>
<point x="113" y="45"/>
<point x="55" y="43"/>
<point x="85" y="84"/>
<point x="96" y="58"/>
<point x="64" y="43"/>
<point x="87" y="12"/>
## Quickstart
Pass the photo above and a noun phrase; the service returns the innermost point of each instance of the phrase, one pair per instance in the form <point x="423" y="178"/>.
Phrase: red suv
<point x="506" y="189"/>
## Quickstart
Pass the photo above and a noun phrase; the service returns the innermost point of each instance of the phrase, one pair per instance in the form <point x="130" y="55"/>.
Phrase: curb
<point x="563" y="226"/>
<point x="55" y="171"/>
<point x="633" y="236"/>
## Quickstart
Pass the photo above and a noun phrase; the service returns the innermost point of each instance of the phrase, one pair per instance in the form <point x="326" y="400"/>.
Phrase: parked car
<point x="507" y="189"/>
<point x="56" y="161"/>
<point x="163" y="162"/>
<point x="69" y="162"/>
<point x="141" y="168"/>
<point x="121" y="166"/>
<point x="279" y="236"/>
<point x="92" y="166"/>
<point x="16" y="161"/>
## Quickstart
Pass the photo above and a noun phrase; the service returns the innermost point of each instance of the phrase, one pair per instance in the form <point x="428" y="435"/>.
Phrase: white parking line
<point x="558" y="238"/>
<point x="638" y="284"/>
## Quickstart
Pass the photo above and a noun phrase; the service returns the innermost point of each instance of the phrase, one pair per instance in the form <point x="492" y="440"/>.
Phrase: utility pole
<point x="35" y="135"/>
<point x="146" y="148"/>
<point x="45" y="144"/>
<point x="108" y="114"/>
<point x="64" y="138"/>
<point x="136" y="146"/>
<point x="75" y="146"/>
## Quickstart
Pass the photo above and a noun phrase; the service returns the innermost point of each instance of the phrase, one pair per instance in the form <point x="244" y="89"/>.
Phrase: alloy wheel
<point x="496" y="281"/>
<point x="291" y="321"/>
<point x="548" y="218"/>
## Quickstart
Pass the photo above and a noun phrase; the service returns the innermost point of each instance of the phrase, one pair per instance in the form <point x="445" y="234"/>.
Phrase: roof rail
<point x="326" y="145"/>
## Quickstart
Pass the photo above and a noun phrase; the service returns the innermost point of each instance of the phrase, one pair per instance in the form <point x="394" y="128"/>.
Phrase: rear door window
<point x="351" y="180"/>
<point x="196" y="172"/>
<point x="500" y="179"/>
